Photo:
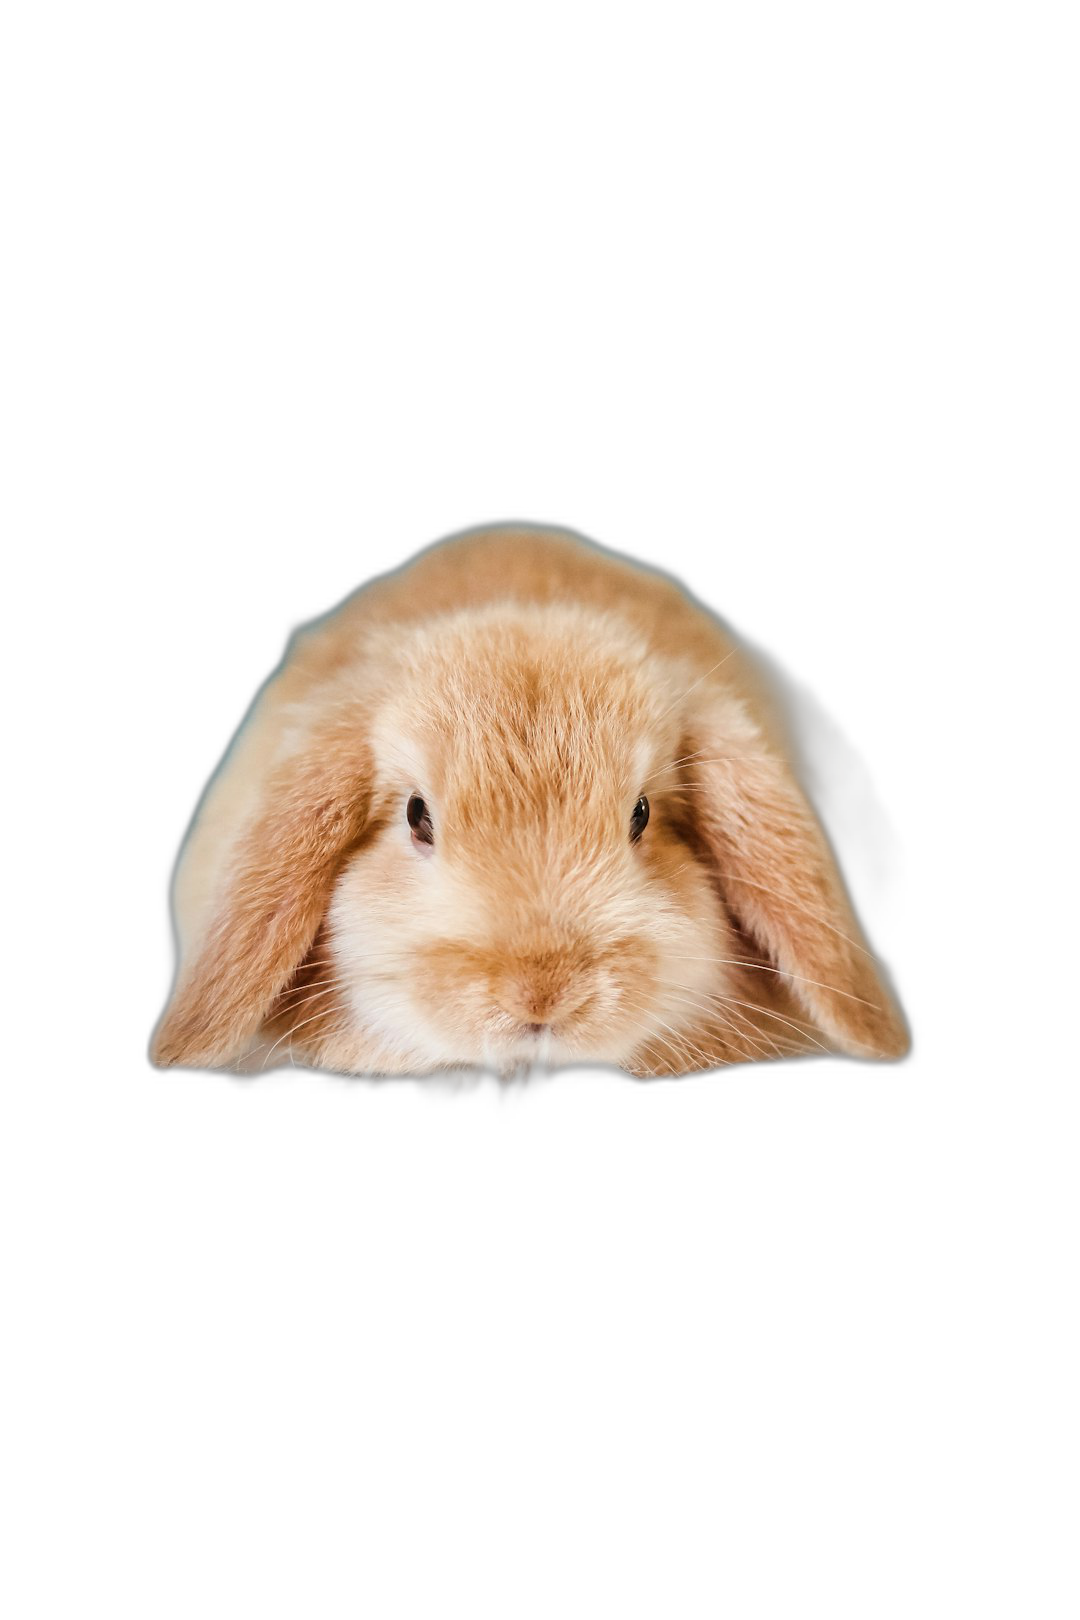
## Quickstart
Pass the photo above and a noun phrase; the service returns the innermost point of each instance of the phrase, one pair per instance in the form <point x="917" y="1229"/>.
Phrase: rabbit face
<point x="529" y="891"/>
<point x="521" y="801"/>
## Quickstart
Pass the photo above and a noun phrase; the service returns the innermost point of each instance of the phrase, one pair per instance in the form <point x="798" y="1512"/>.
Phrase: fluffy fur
<point x="530" y="688"/>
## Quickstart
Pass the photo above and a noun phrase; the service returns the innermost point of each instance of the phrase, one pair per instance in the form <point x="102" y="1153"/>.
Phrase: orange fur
<point x="529" y="687"/>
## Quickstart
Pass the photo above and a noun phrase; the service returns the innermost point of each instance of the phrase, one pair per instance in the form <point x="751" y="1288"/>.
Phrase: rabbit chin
<point x="533" y="1055"/>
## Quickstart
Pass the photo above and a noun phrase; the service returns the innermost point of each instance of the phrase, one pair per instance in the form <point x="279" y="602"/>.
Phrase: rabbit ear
<point x="296" y="824"/>
<point x="780" y="879"/>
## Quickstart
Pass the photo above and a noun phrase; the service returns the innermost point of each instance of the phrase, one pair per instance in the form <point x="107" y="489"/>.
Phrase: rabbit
<point x="521" y="803"/>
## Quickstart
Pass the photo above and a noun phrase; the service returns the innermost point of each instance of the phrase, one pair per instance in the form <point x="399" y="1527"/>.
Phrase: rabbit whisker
<point x="765" y="1011"/>
<point x="660" y="769"/>
<point x="765" y="967"/>
<point x="695" y="684"/>
<point x="706" y="1005"/>
<point x="752" y="883"/>
<point x="291" y="1032"/>
<point x="685" y="1043"/>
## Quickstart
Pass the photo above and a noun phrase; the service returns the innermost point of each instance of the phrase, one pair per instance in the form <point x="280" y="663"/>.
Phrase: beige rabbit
<point x="520" y="802"/>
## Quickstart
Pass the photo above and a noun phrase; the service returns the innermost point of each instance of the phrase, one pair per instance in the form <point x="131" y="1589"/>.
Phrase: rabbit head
<point x="511" y="832"/>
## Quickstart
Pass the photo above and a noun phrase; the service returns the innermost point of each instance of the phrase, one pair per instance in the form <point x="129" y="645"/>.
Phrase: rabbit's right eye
<point x="419" y="819"/>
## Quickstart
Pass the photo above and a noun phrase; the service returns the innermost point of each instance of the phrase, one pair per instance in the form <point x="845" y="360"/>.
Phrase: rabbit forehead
<point x="526" y="697"/>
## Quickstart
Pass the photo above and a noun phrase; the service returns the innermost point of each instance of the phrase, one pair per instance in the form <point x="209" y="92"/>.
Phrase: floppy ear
<point x="778" y="875"/>
<point x="270" y="895"/>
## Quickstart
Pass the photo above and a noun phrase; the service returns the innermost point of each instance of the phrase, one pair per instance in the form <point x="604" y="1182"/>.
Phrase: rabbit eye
<point x="419" y="819"/>
<point x="639" y="819"/>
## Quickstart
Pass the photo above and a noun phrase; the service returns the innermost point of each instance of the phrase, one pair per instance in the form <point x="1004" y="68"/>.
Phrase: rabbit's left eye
<point x="419" y="818"/>
<point x="639" y="819"/>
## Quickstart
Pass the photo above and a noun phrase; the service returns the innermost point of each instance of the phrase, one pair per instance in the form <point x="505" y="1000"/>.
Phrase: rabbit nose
<point x="533" y="996"/>
<point x="526" y="1006"/>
